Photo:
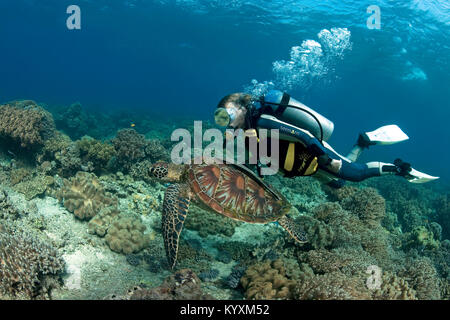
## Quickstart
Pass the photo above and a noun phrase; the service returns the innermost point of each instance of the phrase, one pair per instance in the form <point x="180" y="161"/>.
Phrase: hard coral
<point x="442" y="205"/>
<point x="367" y="204"/>
<point x="331" y="286"/>
<point x="25" y="124"/>
<point x="84" y="195"/>
<point x="28" y="266"/>
<point x="100" y="224"/>
<point x="422" y="276"/>
<point x="320" y="235"/>
<point x="8" y="210"/>
<point x="34" y="186"/>
<point x="207" y="223"/>
<point x="126" y="234"/>
<point x="74" y="120"/>
<point x="156" y="151"/>
<point x="130" y="147"/>
<point x="182" y="285"/>
<point x="96" y="152"/>
<point x="393" y="287"/>
<point x="267" y="281"/>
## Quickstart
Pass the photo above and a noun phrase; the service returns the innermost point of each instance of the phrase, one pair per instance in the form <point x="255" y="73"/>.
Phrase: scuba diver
<point x="303" y="135"/>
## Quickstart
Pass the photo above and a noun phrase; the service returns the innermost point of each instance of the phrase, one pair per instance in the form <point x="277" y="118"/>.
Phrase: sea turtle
<point x="231" y="190"/>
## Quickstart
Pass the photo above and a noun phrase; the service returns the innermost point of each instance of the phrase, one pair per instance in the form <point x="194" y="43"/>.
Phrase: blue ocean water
<point x="179" y="57"/>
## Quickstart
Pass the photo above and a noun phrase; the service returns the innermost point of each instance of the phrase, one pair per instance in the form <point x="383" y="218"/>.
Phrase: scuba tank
<point x="289" y="110"/>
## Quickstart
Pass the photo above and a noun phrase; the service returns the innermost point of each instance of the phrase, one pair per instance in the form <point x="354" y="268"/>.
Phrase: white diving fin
<point x="415" y="176"/>
<point x="386" y="135"/>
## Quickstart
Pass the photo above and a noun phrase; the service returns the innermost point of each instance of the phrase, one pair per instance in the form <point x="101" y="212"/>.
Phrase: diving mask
<point x="224" y="116"/>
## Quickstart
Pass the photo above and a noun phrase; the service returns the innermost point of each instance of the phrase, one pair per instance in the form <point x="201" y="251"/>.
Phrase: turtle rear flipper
<point x="293" y="229"/>
<point x="175" y="208"/>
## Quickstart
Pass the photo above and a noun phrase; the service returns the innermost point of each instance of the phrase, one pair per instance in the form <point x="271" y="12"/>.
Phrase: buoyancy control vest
<point x="287" y="109"/>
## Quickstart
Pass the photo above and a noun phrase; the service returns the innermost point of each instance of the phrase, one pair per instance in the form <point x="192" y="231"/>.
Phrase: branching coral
<point x="126" y="234"/>
<point x="331" y="286"/>
<point x="8" y="210"/>
<point x="156" y="151"/>
<point x="320" y="235"/>
<point x="27" y="265"/>
<point x="339" y="194"/>
<point x="26" y="124"/>
<point x="349" y="261"/>
<point x="34" y="186"/>
<point x="75" y="121"/>
<point x="422" y="237"/>
<point x="130" y="147"/>
<point x="422" y="276"/>
<point x="442" y="205"/>
<point x="96" y="152"/>
<point x="367" y="204"/>
<point x="393" y="287"/>
<point x="62" y="153"/>
<point x="84" y="195"/>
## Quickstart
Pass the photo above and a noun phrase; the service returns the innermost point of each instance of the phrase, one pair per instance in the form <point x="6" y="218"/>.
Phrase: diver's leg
<point x="385" y="135"/>
<point x="357" y="172"/>
<point x="362" y="143"/>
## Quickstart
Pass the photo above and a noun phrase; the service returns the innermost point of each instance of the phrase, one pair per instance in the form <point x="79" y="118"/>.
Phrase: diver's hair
<point x="239" y="99"/>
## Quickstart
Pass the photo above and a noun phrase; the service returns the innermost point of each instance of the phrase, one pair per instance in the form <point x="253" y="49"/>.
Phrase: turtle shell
<point x="236" y="193"/>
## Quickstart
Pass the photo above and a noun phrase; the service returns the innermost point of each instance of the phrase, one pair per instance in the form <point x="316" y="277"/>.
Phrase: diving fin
<point x="386" y="135"/>
<point x="415" y="176"/>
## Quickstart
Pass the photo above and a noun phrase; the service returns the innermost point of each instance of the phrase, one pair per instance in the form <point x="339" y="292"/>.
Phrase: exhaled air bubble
<point x="309" y="62"/>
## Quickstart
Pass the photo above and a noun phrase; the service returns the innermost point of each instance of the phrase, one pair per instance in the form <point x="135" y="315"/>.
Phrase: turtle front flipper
<point x="293" y="229"/>
<point x="175" y="208"/>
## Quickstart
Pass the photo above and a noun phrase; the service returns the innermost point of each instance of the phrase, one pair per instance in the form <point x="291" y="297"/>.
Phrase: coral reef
<point x="209" y="275"/>
<point x="320" y="235"/>
<point x="268" y="281"/>
<point x="422" y="237"/>
<point x="126" y="234"/>
<point x="84" y="196"/>
<point x="25" y="124"/>
<point x="100" y="224"/>
<point x="234" y="278"/>
<point x="130" y="147"/>
<point x="95" y="152"/>
<point x="182" y="285"/>
<point x="8" y="211"/>
<point x="422" y="276"/>
<point x="331" y="286"/>
<point x="34" y="186"/>
<point x="74" y="121"/>
<point x="393" y="287"/>
<point x="207" y="223"/>
<point x="60" y="155"/>
<point x="442" y="205"/>
<point x="29" y="268"/>
<point x="411" y="203"/>
<point x="367" y="204"/>
<point x="385" y="222"/>
<point x="155" y="151"/>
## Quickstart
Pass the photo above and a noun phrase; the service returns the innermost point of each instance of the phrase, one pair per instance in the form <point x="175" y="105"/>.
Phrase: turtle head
<point x="166" y="171"/>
